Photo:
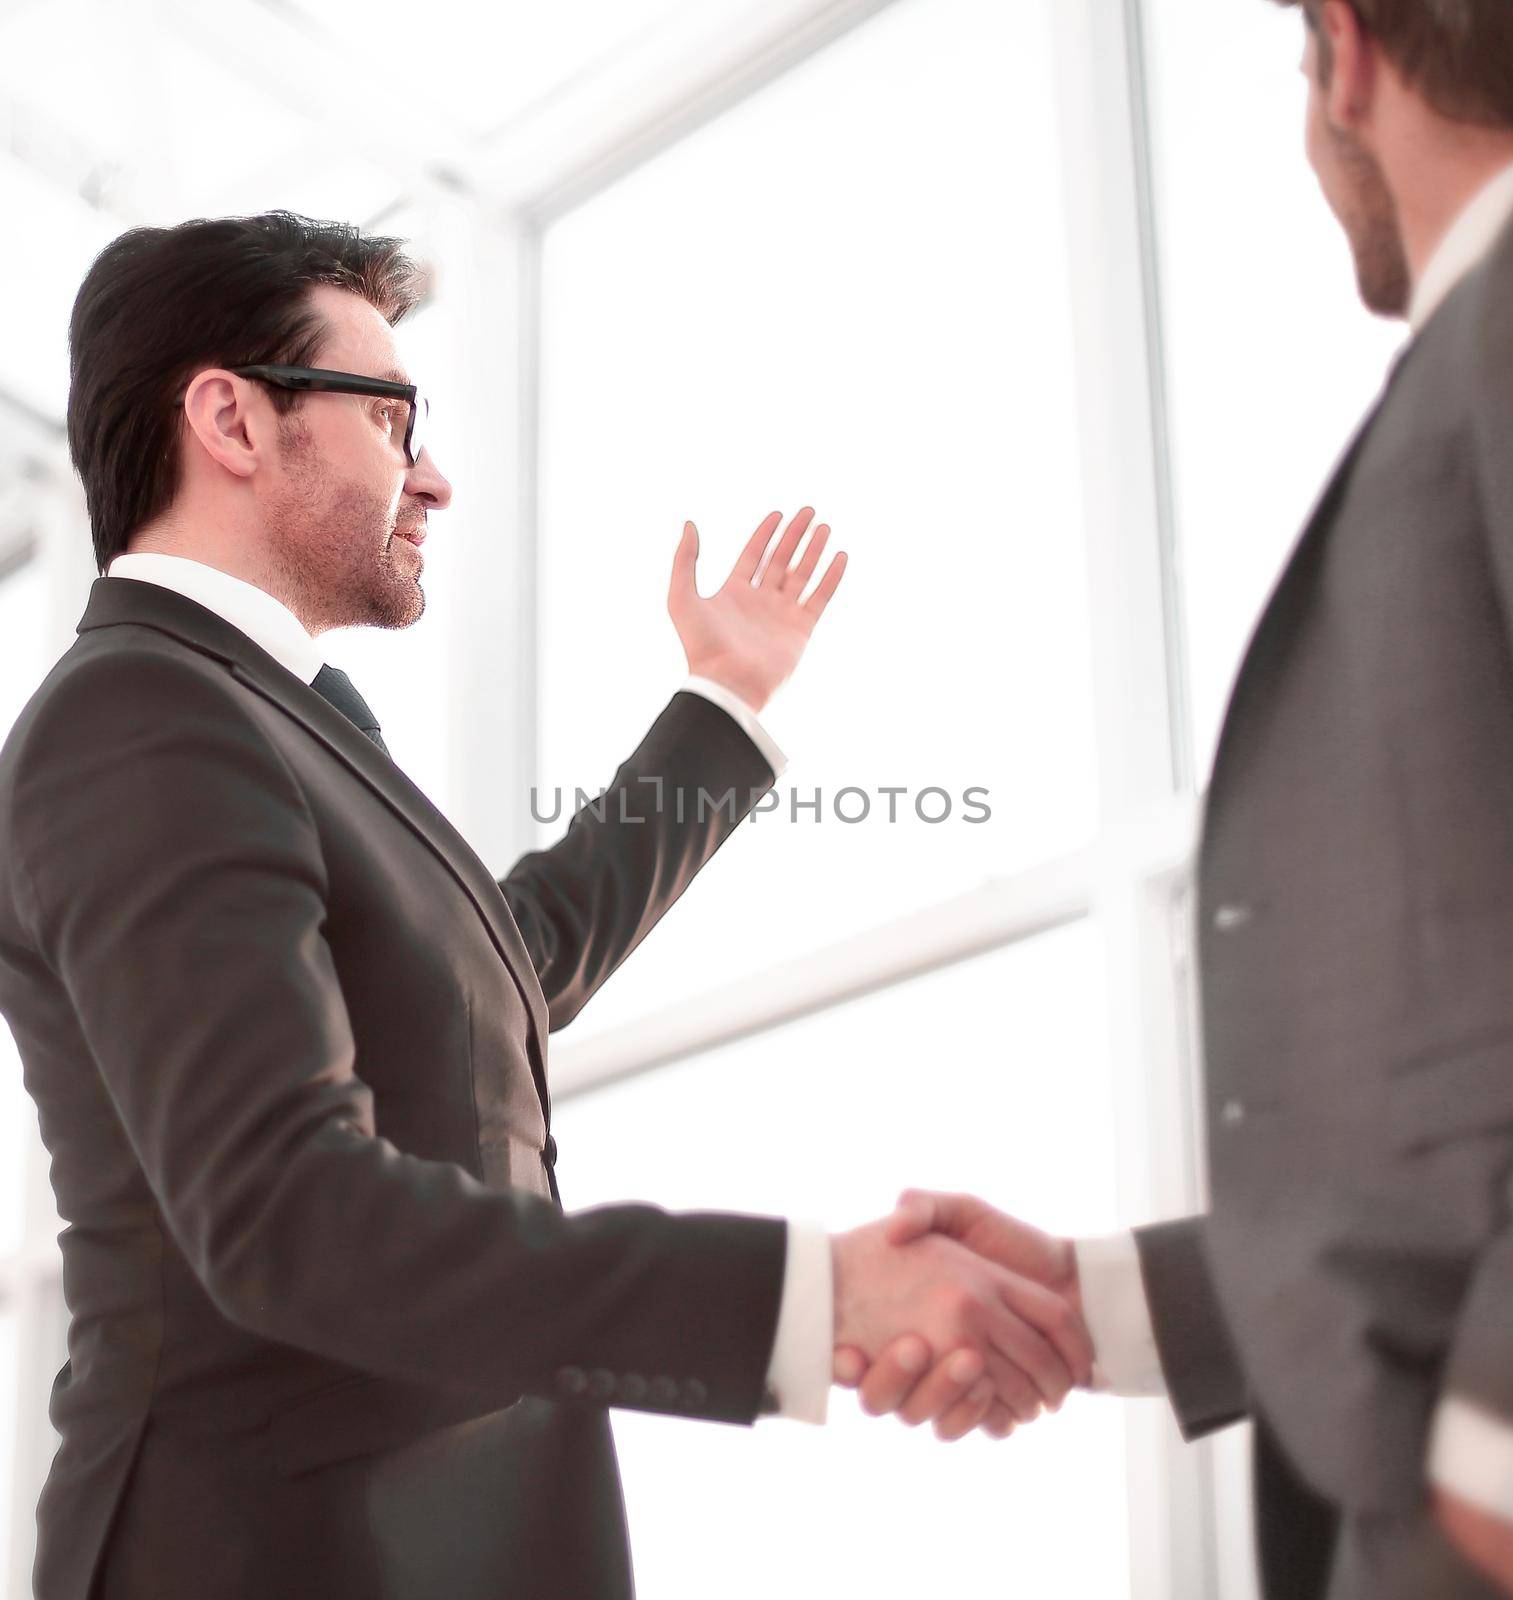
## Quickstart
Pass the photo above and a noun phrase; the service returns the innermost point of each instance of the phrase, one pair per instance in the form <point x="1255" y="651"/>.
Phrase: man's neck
<point x="1434" y="189"/>
<point x="233" y="563"/>
<point x="166" y="542"/>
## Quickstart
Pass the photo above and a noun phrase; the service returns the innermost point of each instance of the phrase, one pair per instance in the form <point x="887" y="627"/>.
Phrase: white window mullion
<point x="1001" y="912"/>
<point x="1140" y="714"/>
<point x="490" y="308"/>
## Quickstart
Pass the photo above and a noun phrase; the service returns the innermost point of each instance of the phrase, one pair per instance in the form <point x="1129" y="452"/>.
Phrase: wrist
<point x="741" y="684"/>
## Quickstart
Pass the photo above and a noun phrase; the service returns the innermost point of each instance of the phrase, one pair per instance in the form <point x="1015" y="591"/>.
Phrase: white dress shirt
<point x="1470" y="1450"/>
<point x="799" y="1371"/>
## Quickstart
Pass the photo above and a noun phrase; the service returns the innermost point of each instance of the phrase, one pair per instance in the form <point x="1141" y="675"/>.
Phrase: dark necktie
<point x="332" y="684"/>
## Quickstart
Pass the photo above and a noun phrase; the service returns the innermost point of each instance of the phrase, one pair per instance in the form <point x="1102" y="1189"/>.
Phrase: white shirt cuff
<point x="1114" y="1307"/>
<point x="803" y="1353"/>
<point x="729" y="700"/>
<point x="1471" y="1455"/>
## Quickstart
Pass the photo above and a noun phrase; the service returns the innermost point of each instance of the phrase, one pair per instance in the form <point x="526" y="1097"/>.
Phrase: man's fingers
<point x="850" y="1367"/>
<point x="892" y="1377"/>
<point x="794" y="583"/>
<point x="1046" y="1310"/>
<point x="826" y="587"/>
<point x="912" y="1219"/>
<point x="999" y="1422"/>
<point x="968" y="1413"/>
<point x="776" y="572"/>
<point x="931" y="1212"/>
<point x="1039" y="1360"/>
<point x="746" y="564"/>
<point x="1016" y="1391"/>
<point x="943" y="1388"/>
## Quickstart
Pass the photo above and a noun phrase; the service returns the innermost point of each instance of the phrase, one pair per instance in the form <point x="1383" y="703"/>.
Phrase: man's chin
<point x="1385" y="294"/>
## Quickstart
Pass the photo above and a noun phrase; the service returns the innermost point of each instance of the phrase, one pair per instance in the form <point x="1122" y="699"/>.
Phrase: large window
<point x="851" y="290"/>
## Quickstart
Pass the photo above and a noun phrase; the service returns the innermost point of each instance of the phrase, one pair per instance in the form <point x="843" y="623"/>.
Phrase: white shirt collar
<point x="267" y="621"/>
<point x="1471" y="236"/>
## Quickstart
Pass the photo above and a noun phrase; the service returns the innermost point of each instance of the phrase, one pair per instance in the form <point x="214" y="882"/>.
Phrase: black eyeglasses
<point x="310" y="378"/>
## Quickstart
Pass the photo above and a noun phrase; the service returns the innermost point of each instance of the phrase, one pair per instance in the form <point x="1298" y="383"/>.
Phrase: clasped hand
<point x="953" y="1313"/>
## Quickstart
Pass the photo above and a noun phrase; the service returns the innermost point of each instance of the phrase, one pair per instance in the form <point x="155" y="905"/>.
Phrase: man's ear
<point x="1350" y="53"/>
<point x="222" y="412"/>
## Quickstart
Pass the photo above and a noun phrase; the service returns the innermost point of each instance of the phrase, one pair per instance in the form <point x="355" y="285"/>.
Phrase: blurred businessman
<point x="1352" y="1287"/>
<point x="331" y="1332"/>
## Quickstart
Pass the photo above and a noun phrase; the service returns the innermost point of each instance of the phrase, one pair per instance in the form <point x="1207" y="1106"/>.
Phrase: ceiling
<point x="120" y="112"/>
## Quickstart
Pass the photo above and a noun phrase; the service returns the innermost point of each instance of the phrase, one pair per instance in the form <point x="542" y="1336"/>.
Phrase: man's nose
<point x="426" y="483"/>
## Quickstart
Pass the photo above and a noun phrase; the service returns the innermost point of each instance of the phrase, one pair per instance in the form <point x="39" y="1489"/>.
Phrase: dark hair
<point x="161" y="304"/>
<point x="1458" y="54"/>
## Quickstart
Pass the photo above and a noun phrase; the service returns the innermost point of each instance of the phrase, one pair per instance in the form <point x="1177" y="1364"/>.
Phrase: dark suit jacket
<point x="332" y="1333"/>
<point x="1355" y="894"/>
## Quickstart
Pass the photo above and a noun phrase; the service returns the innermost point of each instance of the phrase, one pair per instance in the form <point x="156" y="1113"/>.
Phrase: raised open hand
<point x="750" y="634"/>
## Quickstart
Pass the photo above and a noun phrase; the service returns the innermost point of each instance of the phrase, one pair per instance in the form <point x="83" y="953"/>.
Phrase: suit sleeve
<point x="1198" y="1357"/>
<point x="171" y="874"/>
<point x="584" y="904"/>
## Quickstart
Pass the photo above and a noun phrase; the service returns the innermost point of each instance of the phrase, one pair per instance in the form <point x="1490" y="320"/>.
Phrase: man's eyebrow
<point x="393" y="375"/>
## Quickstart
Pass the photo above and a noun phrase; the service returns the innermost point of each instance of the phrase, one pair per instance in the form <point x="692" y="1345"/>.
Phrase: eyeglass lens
<point x="418" y="414"/>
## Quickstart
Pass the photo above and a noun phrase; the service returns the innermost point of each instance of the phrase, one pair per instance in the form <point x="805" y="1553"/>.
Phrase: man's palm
<point x="752" y="632"/>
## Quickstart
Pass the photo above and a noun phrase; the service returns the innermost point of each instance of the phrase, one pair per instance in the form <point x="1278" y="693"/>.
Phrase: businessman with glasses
<point x="332" y="1332"/>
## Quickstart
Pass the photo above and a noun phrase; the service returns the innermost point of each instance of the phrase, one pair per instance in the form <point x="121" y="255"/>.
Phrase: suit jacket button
<point x="1228" y="918"/>
<point x="663" y="1391"/>
<point x="1232" y="1113"/>
<point x="601" y="1384"/>
<point x="694" y="1393"/>
<point x="572" y="1380"/>
<point x="633" y="1388"/>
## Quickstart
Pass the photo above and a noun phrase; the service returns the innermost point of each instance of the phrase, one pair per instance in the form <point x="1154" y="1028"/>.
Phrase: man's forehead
<point x="358" y="339"/>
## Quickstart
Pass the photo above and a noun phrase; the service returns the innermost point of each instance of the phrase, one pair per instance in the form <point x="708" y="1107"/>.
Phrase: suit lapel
<point x="1300" y="563"/>
<point x="126" y="600"/>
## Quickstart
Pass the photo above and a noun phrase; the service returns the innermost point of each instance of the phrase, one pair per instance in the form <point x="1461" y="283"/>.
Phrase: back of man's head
<point x="1457" y="54"/>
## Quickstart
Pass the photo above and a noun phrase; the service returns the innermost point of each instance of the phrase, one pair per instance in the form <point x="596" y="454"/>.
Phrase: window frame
<point x="1135" y="876"/>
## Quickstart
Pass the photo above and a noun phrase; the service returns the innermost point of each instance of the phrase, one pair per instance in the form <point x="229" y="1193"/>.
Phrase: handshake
<point x="952" y="1313"/>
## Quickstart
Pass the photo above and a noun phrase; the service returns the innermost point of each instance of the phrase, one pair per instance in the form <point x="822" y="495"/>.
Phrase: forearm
<point x="586" y="902"/>
<point x="411" y="1269"/>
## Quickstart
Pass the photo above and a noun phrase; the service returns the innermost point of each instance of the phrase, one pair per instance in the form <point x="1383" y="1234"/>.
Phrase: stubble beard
<point x="335" y="549"/>
<point x="1370" y="221"/>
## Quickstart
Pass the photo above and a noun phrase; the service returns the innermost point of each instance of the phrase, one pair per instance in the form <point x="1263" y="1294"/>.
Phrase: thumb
<point x="684" y="560"/>
<point x="915" y="1215"/>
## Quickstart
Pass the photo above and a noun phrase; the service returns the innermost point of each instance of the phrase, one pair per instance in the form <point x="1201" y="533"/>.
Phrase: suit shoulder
<point x="100" y="691"/>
